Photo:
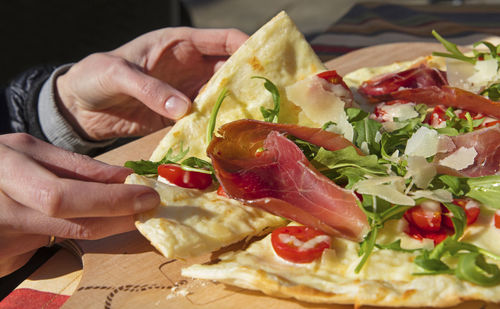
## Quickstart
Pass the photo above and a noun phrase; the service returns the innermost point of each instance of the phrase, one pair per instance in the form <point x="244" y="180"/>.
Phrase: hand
<point x="47" y="191"/>
<point x="137" y="88"/>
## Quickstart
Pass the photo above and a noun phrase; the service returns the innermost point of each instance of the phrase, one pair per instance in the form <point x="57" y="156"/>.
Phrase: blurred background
<point x="61" y="31"/>
<point x="311" y="16"/>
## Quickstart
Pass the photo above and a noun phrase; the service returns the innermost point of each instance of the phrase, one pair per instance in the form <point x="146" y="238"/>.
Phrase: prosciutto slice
<point x="450" y="97"/>
<point x="486" y="143"/>
<point x="380" y="88"/>
<point x="257" y="164"/>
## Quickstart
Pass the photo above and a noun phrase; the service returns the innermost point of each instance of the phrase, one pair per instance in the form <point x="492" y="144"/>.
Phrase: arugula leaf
<point x="194" y="164"/>
<point x="459" y="219"/>
<point x="472" y="267"/>
<point x="326" y="159"/>
<point x="433" y="265"/>
<point x="271" y="115"/>
<point x="478" y="54"/>
<point x="378" y="212"/>
<point x="366" y="248"/>
<point x="395" y="246"/>
<point x="452" y="48"/>
<point x="485" y="189"/>
<point x="456" y="125"/>
<point x="454" y="184"/>
<point x="365" y="129"/>
<point x="493" y="92"/>
<point x="309" y="150"/>
<point x="145" y="167"/>
<point x="213" y="116"/>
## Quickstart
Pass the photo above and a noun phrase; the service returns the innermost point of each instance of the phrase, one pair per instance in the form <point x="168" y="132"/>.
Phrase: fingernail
<point x="176" y="107"/>
<point x="146" y="201"/>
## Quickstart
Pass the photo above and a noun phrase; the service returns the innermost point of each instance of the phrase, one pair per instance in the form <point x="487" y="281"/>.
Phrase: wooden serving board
<point x="125" y="271"/>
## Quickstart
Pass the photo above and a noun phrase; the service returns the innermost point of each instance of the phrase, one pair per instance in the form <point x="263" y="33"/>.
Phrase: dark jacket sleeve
<point x="22" y="100"/>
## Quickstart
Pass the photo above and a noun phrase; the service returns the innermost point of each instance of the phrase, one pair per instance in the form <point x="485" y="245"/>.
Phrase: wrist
<point x="68" y="107"/>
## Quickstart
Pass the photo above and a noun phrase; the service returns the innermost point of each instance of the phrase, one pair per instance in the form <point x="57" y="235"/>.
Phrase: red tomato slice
<point x="186" y="179"/>
<point x="437" y="116"/>
<point x="497" y="219"/>
<point x="333" y="78"/>
<point x="424" y="219"/>
<point x="291" y="243"/>
<point x="419" y="234"/>
<point x="425" y="222"/>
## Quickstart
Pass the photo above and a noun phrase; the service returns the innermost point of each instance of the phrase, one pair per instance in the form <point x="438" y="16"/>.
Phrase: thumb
<point x="154" y="93"/>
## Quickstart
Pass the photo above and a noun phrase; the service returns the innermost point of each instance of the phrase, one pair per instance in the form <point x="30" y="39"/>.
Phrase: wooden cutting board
<point x="125" y="271"/>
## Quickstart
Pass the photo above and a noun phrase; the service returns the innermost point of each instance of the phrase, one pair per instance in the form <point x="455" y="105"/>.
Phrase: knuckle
<point x="82" y="231"/>
<point x="51" y="199"/>
<point x="19" y="139"/>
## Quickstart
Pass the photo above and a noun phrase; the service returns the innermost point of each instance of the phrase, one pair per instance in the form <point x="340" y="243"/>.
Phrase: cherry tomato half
<point x="186" y="179"/>
<point x="333" y="78"/>
<point x="299" y="244"/>
<point x="425" y="222"/>
<point x="424" y="219"/>
<point x="497" y="219"/>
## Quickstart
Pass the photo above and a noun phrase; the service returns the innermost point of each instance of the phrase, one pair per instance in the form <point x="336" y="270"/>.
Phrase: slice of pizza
<point x="193" y="218"/>
<point x="397" y="207"/>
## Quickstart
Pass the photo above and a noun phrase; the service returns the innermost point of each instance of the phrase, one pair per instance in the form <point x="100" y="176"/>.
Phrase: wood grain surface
<point x="124" y="271"/>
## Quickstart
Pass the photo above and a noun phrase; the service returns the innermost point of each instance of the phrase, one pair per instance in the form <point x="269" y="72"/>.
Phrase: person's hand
<point x="46" y="191"/>
<point x="135" y="89"/>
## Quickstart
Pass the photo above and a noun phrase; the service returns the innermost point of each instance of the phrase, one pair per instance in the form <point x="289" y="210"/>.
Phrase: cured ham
<point x="486" y="143"/>
<point x="428" y="86"/>
<point x="380" y="89"/>
<point x="257" y="164"/>
<point x="450" y="97"/>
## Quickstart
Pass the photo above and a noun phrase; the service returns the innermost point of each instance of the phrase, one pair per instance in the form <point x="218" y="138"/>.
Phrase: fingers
<point x="32" y="185"/>
<point x="64" y="163"/>
<point x="157" y="95"/>
<point x="26" y="221"/>
<point x="218" y="42"/>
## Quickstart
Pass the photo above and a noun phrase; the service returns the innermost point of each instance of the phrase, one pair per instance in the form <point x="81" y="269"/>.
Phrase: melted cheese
<point x="386" y="279"/>
<point x="190" y="222"/>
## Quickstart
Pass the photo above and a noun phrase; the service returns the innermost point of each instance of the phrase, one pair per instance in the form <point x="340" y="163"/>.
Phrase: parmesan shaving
<point x="389" y="188"/>
<point x="424" y="143"/>
<point x="421" y="171"/>
<point x="460" y="159"/>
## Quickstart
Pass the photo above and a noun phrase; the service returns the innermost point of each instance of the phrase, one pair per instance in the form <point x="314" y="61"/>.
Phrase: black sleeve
<point x="21" y="97"/>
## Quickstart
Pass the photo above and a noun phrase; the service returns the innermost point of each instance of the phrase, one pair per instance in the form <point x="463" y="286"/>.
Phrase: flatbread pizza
<point x="377" y="188"/>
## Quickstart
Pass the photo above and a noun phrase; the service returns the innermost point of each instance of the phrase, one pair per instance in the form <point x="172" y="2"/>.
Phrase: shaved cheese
<point x="430" y="206"/>
<point x="457" y="73"/>
<point x="389" y="188"/>
<point x="321" y="101"/>
<point x="422" y="143"/>
<point x="471" y="77"/>
<point x="460" y="159"/>
<point x="421" y="171"/>
<point x="439" y="195"/>
<point x="485" y="72"/>
<point x="400" y="111"/>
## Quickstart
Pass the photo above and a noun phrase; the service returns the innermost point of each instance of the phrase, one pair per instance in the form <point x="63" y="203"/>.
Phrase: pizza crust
<point x="192" y="222"/>
<point x="331" y="279"/>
